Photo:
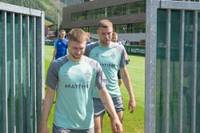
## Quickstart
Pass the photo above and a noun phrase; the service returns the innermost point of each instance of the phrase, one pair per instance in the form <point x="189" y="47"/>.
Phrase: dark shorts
<point x="99" y="108"/>
<point x="57" y="129"/>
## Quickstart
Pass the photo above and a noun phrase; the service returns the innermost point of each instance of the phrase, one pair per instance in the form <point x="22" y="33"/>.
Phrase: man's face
<point x="105" y="35"/>
<point x="62" y="34"/>
<point x="76" y="49"/>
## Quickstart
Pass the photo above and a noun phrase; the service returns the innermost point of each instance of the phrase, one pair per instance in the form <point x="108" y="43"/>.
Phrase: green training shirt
<point x="111" y="59"/>
<point x="74" y="83"/>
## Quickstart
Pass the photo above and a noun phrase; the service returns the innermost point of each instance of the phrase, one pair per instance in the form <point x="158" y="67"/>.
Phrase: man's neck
<point x="105" y="45"/>
<point x="74" y="59"/>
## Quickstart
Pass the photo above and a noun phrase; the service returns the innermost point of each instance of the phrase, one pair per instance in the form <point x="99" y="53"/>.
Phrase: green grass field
<point x="133" y="122"/>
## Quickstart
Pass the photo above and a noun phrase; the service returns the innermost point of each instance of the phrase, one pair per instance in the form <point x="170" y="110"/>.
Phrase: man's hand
<point x="132" y="105"/>
<point x="117" y="126"/>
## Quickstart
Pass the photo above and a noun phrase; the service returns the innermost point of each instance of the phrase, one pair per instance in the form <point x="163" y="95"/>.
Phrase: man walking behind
<point x="111" y="57"/>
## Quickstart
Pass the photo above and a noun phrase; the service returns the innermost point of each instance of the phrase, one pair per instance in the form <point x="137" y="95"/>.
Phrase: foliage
<point x="45" y="5"/>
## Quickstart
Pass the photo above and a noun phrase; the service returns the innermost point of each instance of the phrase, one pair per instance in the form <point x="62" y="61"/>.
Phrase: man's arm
<point x="129" y="87"/>
<point x="107" y="101"/>
<point x="54" y="54"/>
<point x="48" y="101"/>
<point x="55" y="49"/>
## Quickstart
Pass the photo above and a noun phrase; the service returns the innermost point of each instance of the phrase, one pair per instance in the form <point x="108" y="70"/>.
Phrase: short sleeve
<point x="52" y="76"/>
<point x="89" y="47"/>
<point x="123" y="57"/>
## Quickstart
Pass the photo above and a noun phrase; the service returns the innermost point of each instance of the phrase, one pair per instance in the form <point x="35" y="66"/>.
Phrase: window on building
<point x="117" y="10"/>
<point x="139" y="27"/>
<point x="130" y="28"/>
<point x="92" y="29"/>
<point x="91" y="14"/>
<point x="100" y="13"/>
<point x="131" y="8"/>
<point x="78" y="16"/>
<point x="121" y="28"/>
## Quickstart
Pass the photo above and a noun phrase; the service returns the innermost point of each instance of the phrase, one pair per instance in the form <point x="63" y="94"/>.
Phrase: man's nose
<point x="78" y="52"/>
<point x="107" y="36"/>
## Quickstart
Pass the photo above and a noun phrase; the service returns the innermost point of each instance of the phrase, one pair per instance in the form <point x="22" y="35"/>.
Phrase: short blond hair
<point x="78" y="35"/>
<point x="105" y="23"/>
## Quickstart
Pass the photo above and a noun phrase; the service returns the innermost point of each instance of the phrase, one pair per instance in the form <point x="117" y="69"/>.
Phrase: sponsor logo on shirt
<point x="108" y="65"/>
<point x="77" y="86"/>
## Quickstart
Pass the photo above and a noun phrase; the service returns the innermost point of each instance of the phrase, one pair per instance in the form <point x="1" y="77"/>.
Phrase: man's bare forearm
<point x="54" y="54"/>
<point x="127" y="82"/>
<point x="129" y="87"/>
<point x="48" y="101"/>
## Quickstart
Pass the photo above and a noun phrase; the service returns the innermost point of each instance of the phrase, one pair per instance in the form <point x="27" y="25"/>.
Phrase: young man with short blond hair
<point x="74" y="78"/>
